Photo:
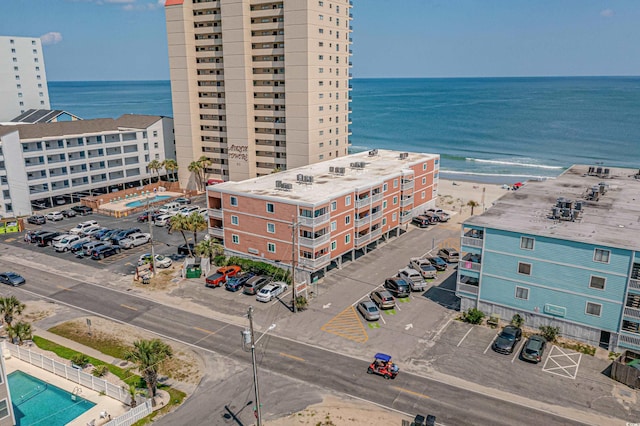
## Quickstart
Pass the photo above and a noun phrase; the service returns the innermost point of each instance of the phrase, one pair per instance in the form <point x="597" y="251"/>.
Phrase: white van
<point x="83" y="226"/>
<point x="66" y="243"/>
<point x="174" y="206"/>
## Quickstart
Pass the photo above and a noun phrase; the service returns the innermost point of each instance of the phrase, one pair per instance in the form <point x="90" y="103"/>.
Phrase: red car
<point x="221" y="275"/>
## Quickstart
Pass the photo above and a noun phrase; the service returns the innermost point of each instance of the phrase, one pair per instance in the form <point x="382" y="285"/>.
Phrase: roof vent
<point x="567" y="210"/>
<point x="373" y="152"/>
<point x="403" y="155"/>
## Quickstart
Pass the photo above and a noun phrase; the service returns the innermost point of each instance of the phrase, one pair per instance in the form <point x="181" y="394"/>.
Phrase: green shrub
<point x="301" y="303"/>
<point x="517" y="320"/>
<point x="473" y="316"/>
<point x="100" y="370"/>
<point x="80" y="360"/>
<point x="220" y="260"/>
<point x="549" y="332"/>
<point x="261" y="268"/>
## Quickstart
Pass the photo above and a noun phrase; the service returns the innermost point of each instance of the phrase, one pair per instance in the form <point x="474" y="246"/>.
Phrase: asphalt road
<point x="277" y="356"/>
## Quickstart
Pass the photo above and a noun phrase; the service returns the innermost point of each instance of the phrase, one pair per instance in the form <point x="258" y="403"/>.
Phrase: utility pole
<point x="294" y="231"/>
<point x="153" y="252"/>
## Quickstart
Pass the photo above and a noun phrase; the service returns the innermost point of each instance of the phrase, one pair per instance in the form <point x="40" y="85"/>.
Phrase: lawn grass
<point x="176" y="398"/>
<point x="107" y="345"/>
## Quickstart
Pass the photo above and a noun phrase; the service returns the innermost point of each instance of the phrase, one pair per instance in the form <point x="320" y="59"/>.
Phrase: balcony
<point x="362" y="202"/>
<point x="376" y="233"/>
<point x="313" y="221"/>
<point x="406" y="184"/>
<point x="376" y="215"/>
<point x="314" y="264"/>
<point x="405" y="218"/>
<point x="314" y="242"/>
<point x="363" y="221"/>
<point x="634" y="283"/>
<point x="632" y="312"/>
<point x="472" y="242"/>
<point x="215" y="213"/>
<point x="377" y="197"/>
<point x="363" y="239"/>
<point x="469" y="265"/>
<point x="473" y="289"/>
<point x="216" y="232"/>
<point x="406" y="202"/>
<point x="629" y="340"/>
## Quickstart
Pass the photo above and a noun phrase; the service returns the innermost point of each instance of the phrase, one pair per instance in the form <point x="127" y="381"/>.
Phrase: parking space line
<point x="441" y="329"/>
<point x="490" y="343"/>
<point x="564" y="363"/>
<point x="464" y="337"/>
<point x="129" y="307"/>
<point x="64" y="288"/>
<point x="410" y="392"/>
<point x="292" y="357"/>
<point x="347" y="324"/>
<point x="517" y="350"/>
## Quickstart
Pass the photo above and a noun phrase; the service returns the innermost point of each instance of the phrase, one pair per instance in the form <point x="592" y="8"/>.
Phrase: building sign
<point x="559" y="311"/>
<point x="239" y="152"/>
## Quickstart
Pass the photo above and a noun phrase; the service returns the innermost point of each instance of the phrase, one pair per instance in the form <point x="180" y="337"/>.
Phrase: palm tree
<point x="196" y="223"/>
<point x="133" y="393"/>
<point x="180" y="223"/>
<point x="154" y="166"/>
<point x="205" y="163"/>
<point x="148" y="355"/>
<point x="209" y="248"/>
<point x="472" y="204"/>
<point x="10" y="307"/>
<point x="171" y="166"/>
<point x="196" y="168"/>
<point x="20" y="332"/>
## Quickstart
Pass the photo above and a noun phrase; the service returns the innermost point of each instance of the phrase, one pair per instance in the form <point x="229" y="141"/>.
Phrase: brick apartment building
<point x="336" y="207"/>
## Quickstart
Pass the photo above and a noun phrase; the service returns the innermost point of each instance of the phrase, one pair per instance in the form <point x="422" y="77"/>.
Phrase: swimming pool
<point x="144" y="202"/>
<point x="39" y="403"/>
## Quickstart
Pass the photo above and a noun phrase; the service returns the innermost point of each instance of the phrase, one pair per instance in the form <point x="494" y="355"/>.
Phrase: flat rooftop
<point x="327" y="184"/>
<point x="611" y="220"/>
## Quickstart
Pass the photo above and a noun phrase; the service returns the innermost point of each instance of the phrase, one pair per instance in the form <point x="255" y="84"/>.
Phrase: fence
<point x="133" y="415"/>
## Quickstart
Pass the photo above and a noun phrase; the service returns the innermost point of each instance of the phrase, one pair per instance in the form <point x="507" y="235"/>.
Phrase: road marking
<point x="347" y="324"/>
<point x="564" y="362"/>
<point x="517" y="350"/>
<point x="410" y="392"/>
<point x="64" y="288"/>
<point x="327" y="306"/>
<point x="441" y="329"/>
<point x="408" y="326"/>
<point x="490" y="343"/>
<point x="464" y="337"/>
<point x="129" y="307"/>
<point x="204" y="330"/>
<point x="373" y="325"/>
<point x="292" y="357"/>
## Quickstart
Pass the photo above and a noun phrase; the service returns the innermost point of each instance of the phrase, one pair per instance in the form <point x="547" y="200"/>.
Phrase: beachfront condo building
<point x="563" y="252"/>
<point x="323" y="213"/>
<point x="23" y="81"/>
<point x="258" y="86"/>
<point x="51" y="164"/>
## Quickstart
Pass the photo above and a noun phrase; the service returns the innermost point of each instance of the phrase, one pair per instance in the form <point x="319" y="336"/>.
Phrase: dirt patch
<point x="163" y="281"/>
<point x="36" y="311"/>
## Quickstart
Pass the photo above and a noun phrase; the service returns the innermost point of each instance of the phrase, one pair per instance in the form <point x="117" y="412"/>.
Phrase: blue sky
<point x="126" y="39"/>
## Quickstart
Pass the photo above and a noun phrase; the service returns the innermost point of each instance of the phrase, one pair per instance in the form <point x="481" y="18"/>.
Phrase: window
<point x="347" y="238"/>
<point x="347" y="200"/>
<point x="526" y="243"/>
<point x="384" y="204"/>
<point x="233" y="201"/>
<point x="235" y="239"/>
<point x="594" y="309"/>
<point x="334" y="245"/>
<point x="424" y="166"/>
<point x="597" y="282"/>
<point x="4" y="409"/>
<point x="271" y="247"/>
<point x="235" y="220"/>
<point x="347" y="219"/>
<point x="424" y="180"/>
<point x="524" y="268"/>
<point x="394" y="216"/>
<point x="155" y="133"/>
<point x="395" y="200"/>
<point x="155" y="145"/>
<point x="423" y="194"/>
<point x="321" y="156"/>
<point x="601" y="256"/>
<point x="395" y="183"/>
<point x="271" y="208"/>
<point x="384" y="221"/>
<point x="271" y="228"/>
<point x="334" y="225"/>
<point x="522" y="293"/>
<point x="334" y="206"/>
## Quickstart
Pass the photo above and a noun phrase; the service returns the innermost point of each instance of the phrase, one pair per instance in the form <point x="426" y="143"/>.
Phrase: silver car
<point x="369" y="310"/>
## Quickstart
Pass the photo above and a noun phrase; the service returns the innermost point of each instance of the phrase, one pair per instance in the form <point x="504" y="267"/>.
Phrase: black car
<point x="115" y="239"/>
<point x="183" y="200"/>
<point x="37" y="219"/>
<point x="421" y="221"/>
<point x="68" y="213"/>
<point x="11" y="278"/>
<point x="183" y="250"/>
<point x="82" y="210"/>
<point x="439" y="264"/>
<point x="238" y="282"/>
<point x="101" y="252"/>
<point x="534" y="349"/>
<point x="45" y="239"/>
<point x="398" y="287"/>
<point x="507" y="339"/>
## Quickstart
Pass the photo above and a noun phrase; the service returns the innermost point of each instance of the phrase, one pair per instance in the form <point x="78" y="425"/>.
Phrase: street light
<point x="248" y="338"/>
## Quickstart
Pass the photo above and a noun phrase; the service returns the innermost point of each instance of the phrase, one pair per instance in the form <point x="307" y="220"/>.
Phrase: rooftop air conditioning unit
<point x="332" y="169"/>
<point x="300" y="178"/>
<point x="278" y="184"/>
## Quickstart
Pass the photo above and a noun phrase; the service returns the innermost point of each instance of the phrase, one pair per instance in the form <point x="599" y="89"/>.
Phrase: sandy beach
<point x="454" y="197"/>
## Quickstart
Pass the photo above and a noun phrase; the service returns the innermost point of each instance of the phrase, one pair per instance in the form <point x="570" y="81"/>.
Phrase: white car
<point x="134" y="240"/>
<point x="89" y="231"/>
<point x="424" y="267"/>
<point x="65" y="243"/>
<point x="413" y="278"/>
<point x="55" y="216"/>
<point x="82" y="226"/>
<point x="186" y="211"/>
<point x="59" y="238"/>
<point x="163" y="220"/>
<point x="269" y="291"/>
<point x="161" y="261"/>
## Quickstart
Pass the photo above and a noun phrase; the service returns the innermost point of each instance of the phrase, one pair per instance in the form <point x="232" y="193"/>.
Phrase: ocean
<point x="498" y="130"/>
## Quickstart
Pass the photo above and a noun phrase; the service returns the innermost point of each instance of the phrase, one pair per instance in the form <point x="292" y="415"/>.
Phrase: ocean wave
<point x="514" y="163"/>
<point x="530" y="177"/>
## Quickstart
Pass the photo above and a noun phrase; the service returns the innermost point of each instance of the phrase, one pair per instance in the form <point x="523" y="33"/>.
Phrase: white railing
<point x="312" y="242"/>
<point x="377" y="197"/>
<point x="363" y="202"/>
<point x="312" y="221"/>
<point x="632" y="312"/>
<point x="363" y="239"/>
<point x="467" y="264"/>
<point x="376" y="215"/>
<point x="364" y="221"/>
<point x="405" y="218"/>
<point x="216" y="213"/>
<point x="130" y="417"/>
<point x="406" y="202"/>
<point x="407" y="185"/>
<point x="376" y="232"/>
<point x="216" y="232"/>
<point x="633" y="283"/>
<point x="473" y="289"/>
<point x="314" y="263"/>
<point x="472" y="242"/>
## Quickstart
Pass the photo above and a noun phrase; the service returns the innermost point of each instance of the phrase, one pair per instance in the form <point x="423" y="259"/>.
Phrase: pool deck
<point x="103" y="403"/>
<point x="121" y="205"/>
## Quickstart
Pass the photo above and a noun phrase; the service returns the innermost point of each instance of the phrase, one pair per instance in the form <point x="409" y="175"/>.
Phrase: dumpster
<point x="194" y="271"/>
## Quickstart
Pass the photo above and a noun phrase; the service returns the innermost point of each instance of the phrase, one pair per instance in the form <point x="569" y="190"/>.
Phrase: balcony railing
<point x="632" y="312"/>
<point x="467" y="264"/>
<point x="314" y="263"/>
<point x="363" y="221"/>
<point x="634" y="283"/>
<point x="472" y="242"/>
<point x="407" y="184"/>
<point x="313" y="221"/>
<point x="377" y="197"/>
<point x="376" y="233"/>
<point x="216" y="232"/>
<point x="313" y="242"/>
<point x="405" y="218"/>
<point x="216" y="213"/>
<point x="473" y="289"/>
<point x="376" y="215"/>
<point x="363" y="239"/>
<point x="631" y="340"/>
<point x="406" y="202"/>
<point x="363" y="202"/>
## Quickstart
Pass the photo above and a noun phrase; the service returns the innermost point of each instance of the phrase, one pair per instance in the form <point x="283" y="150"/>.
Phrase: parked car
<point x="82" y="226"/>
<point x="88" y="247"/>
<point x="383" y="299"/>
<point x="45" y="239"/>
<point x="91" y="231"/>
<point x="238" y="282"/>
<point x="54" y="216"/>
<point x="438" y="263"/>
<point x="145" y="216"/>
<point x="36" y="234"/>
<point x="184" y="249"/>
<point x="439" y="215"/>
<point x="255" y="284"/>
<point x="186" y="211"/>
<point x="135" y="240"/>
<point x="449" y="255"/>
<point x="183" y="200"/>
<point x="369" y="310"/>
<point x="59" y="238"/>
<point x="68" y="213"/>
<point x="397" y="286"/>
<point x="161" y="260"/>
<point x="107" y="235"/>
<point x="101" y="252"/>
<point x="414" y="278"/>
<point x="77" y="246"/>
<point x="163" y="220"/>
<point x="82" y="210"/>
<point x="37" y="219"/>
<point x="101" y="233"/>
<point x="66" y="243"/>
<point x="421" y="221"/>
<point x="11" y="278"/>
<point x="507" y="339"/>
<point x="534" y="349"/>
<point x="424" y="267"/>
<point x="116" y="238"/>
<point x="271" y="291"/>
<point x="220" y="276"/>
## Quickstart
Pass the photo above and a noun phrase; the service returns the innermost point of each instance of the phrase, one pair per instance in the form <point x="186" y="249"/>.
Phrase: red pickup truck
<point x="220" y="276"/>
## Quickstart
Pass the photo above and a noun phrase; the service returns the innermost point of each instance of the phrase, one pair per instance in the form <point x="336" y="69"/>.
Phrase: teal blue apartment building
<point x="562" y="252"/>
